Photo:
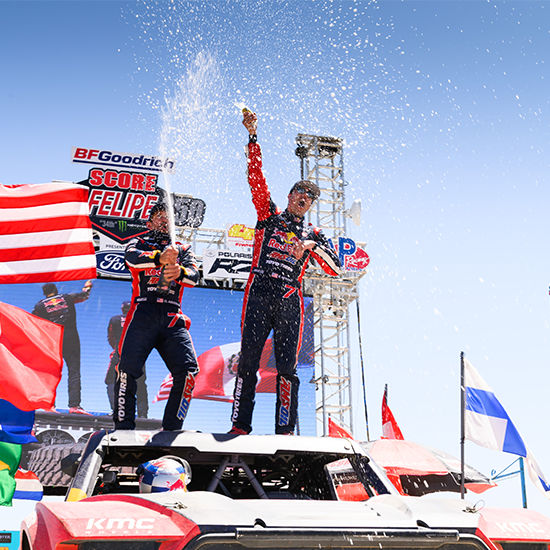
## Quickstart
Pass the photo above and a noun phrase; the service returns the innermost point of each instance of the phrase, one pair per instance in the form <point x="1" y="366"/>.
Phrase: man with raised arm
<point x="283" y="245"/>
<point x="155" y="321"/>
<point x="59" y="309"/>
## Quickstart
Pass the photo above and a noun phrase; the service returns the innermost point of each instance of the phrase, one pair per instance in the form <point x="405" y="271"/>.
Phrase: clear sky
<point x="444" y="109"/>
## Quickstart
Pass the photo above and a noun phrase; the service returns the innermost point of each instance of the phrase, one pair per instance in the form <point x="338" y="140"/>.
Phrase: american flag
<point x="45" y="233"/>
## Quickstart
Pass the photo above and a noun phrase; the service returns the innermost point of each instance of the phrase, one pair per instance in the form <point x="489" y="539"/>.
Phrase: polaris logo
<point x="222" y="264"/>
<point x="120" y="523"/>
<point x="101" y="157"/>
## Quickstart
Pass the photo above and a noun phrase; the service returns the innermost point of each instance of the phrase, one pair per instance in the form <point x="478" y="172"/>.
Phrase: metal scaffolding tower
<point x="322" y="161"/>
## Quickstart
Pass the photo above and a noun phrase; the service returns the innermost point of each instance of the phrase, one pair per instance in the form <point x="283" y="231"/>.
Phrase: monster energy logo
<point x="122" y="225"/>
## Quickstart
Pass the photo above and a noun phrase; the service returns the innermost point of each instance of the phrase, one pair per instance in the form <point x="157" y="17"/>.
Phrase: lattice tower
<point x="322" y="161"/>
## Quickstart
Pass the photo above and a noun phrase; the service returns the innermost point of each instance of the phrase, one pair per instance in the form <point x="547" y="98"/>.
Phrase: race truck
<point x="244" y="492"/>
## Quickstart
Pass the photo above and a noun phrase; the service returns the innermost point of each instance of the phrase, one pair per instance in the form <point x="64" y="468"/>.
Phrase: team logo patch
<point x="147" y="254"/>
<point x="284" y="411"/>
<point x="186" y="396"/>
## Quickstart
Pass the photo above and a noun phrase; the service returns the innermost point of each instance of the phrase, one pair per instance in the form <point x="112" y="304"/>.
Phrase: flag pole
<point x="462" y="401"/>
<point x="362" y="366"/>
<point x="522" y="476"/>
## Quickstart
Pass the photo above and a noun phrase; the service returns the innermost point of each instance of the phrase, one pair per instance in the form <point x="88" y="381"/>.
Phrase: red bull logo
<point x="148" y="254"/>
<point x="179" y="484"/>
<point x="284" y="412"/>
<point x="55" y="304"/>
<point x="283" y="247"/>
<point x="285" y="236"/>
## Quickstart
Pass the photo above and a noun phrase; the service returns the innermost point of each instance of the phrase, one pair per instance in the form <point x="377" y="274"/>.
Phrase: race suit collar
<point x="157" y="237"/>
<point x="291" y="217"/>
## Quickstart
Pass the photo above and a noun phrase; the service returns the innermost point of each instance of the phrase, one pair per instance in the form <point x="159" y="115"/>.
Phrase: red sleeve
<point x="256" y="179"/>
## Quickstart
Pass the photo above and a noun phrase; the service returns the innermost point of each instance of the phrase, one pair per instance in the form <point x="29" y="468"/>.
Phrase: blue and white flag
<point x="488" y="424"/>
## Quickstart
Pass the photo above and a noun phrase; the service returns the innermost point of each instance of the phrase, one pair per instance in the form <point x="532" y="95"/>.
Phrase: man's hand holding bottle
<point x="168" y="258"/>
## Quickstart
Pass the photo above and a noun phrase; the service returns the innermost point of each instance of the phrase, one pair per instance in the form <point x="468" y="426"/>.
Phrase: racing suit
<point x="114" y="333"/>
<point x="273" y="300"/>
<point x="60" y="310"/>
<point x="155" y="321"/>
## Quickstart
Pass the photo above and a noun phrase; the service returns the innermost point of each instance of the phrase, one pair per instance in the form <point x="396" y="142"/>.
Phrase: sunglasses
<point x="304" y="191"/>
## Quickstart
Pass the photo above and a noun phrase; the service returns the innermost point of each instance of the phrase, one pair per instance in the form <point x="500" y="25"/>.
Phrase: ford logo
<point x="112" y="263"/>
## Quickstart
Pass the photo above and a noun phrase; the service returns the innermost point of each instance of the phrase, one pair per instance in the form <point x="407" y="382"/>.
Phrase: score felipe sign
<point x="130" y="161"/>
<point x="120" y="202"/>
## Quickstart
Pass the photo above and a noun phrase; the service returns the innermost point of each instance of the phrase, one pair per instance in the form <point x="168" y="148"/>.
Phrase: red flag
<point x="31" y="359"/>
<point x="335" y="430"/>
<point x="45" y="233"/>
<point x="218" y="368"/>
<point x="390" y="429"/>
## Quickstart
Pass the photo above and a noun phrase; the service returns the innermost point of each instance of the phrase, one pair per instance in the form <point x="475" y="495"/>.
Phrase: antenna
<point x="354" y="212"/>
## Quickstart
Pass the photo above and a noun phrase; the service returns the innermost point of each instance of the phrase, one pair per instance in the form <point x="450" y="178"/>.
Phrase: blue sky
<point x="444" y="110"/>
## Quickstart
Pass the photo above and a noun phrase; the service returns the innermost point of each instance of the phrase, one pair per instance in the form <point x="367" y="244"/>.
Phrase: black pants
<point x="162" y="327"/>
<point x="267" y="307"/>
<point x="71" y="354"/>
<point x="141" y="392"/>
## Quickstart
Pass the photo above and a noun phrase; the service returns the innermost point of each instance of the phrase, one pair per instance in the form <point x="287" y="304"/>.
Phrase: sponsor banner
<point x="120" y="202"/>
<point x="239" y="235"/>
<point x="130" y="161"/>
<point x="188" y="211"/>
<point x="110" y="259"/>
<point x="352" y="257"/>
<point x="226" y="264"/>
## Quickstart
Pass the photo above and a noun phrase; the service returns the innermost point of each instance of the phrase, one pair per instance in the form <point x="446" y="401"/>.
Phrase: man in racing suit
<point x="155" y="321"/>
<point x="283" y="244"/>
<point x="59" y="309"/>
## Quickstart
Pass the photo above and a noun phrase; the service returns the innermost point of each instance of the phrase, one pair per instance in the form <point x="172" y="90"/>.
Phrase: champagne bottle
<point x="163" y="286"/>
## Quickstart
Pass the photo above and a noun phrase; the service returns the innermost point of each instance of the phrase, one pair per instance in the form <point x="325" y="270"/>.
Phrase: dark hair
<point x="49" y="288"/>
<point x="158" y="207"/>
<point x="309" y="186"/>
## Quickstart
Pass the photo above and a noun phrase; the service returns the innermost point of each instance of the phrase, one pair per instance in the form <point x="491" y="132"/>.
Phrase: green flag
<point x="10" y="456"/>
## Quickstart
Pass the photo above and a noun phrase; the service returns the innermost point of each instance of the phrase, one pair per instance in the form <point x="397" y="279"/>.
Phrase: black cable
<point x="362" y="368"/>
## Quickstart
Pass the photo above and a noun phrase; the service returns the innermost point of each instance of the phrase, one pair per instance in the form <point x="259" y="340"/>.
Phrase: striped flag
<point x="27" y="486"/>
<point x="488" y="425"/>
<point x="218" y="368"/>
<point x="45" y="233"/>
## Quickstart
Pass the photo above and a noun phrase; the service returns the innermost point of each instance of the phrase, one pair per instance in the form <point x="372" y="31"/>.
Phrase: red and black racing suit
<point x="273" y="301"/>
<point x="60" y="310"/>
<point x="156" y="321"/>
<point x="114" y="334"/>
